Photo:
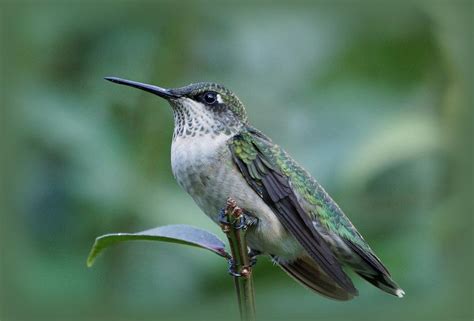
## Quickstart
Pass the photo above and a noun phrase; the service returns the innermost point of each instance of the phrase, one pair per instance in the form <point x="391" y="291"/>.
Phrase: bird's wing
<point x="263" y="166"/>
<point x="301" y="204"/>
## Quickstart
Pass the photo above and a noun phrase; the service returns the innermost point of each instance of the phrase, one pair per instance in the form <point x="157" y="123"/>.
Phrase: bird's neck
<point x="194" y="122"/>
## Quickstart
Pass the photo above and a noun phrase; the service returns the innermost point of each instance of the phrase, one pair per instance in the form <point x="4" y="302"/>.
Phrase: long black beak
<point x="162" y="92"/>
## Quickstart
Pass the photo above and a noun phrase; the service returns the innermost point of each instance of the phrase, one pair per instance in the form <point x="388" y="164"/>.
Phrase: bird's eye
<point x="210" y="97"/>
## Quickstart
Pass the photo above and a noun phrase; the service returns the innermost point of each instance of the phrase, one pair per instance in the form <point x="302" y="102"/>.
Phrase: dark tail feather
<point x="374" y="271"/>
<point x="383" y="282"/>
<point x="308" y="273"/>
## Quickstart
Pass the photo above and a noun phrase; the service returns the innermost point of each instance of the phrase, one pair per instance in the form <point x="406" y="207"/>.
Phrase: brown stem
<point x="243" y="280"/>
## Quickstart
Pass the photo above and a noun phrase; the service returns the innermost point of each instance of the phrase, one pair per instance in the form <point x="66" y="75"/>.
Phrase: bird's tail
<point x="383" y="282"/>
<point x="370" y="268"/>
<point x="308" y="273"/>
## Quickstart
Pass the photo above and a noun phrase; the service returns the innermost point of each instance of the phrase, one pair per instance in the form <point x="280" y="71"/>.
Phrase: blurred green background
<point x="371" y="97"/>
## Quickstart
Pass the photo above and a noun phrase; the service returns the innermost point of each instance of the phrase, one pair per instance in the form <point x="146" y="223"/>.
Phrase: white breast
<point x="203" y="166"/>
<point x="192" y="157"/>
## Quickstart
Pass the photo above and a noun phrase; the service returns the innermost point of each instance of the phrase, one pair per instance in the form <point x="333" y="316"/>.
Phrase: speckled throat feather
<point x="192" y="119"/>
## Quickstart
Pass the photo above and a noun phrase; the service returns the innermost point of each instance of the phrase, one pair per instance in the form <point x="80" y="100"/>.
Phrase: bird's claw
<point x="232" y="218"/>
<point x="247" y="220"/>
<point x="253" y="256"/>
<point x="244" y="221"/>
<point x="223" y="220"/>
<point x="244" y="271"/>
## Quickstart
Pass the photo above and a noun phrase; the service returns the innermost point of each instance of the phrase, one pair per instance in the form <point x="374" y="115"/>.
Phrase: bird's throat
<point x="193" y="119"/>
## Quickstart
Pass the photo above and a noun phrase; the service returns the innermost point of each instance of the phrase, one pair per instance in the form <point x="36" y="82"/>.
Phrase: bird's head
<point x="200" y="108"/>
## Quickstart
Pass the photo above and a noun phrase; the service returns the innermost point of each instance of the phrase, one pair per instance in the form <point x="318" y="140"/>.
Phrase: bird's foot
<point x="244" y="220"/>
<point x="234" y="271"/>
<point x="222" y="218"/>
<point x="235" y="221"/>
<point x="253" y="256"/>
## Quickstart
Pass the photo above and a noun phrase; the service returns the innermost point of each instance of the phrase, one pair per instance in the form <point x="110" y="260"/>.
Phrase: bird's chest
<point x="205" y="170"/>
<point x="199" y="165"/>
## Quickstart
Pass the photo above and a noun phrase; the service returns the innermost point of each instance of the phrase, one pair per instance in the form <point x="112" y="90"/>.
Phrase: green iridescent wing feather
<point x="258" y="162"/>
<point x="298" y="200"/>
<point x="253" y="143"/>
<point x="324" y="209"/>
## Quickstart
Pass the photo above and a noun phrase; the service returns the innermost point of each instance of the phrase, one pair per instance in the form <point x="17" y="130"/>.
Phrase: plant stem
<point x="235" y="230"/>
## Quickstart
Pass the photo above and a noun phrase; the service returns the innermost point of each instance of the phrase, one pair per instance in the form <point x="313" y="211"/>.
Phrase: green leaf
<point x="181" y="234"/>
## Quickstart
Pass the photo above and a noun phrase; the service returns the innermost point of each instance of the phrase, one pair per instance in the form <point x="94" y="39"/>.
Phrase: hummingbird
<point x="217" y="154"/>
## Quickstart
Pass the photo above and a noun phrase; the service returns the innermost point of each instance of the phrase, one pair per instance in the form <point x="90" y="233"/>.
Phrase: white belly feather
<point x="204" y="168"/>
